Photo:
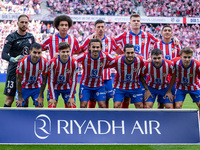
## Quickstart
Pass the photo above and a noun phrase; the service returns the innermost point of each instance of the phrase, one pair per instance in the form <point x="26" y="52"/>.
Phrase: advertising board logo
<point x="42" y="126"/>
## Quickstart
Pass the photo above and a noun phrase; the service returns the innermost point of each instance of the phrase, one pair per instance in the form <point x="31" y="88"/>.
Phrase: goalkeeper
<point x="16" y="45"/>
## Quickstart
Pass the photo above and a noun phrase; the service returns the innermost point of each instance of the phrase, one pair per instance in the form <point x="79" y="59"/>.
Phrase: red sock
<point x="50" y="106"/>
<point x="92" y="104"/>
<point x="125" y="105"/>
<point x="143" y="105"/>
<point x="74" y="106"/>
<point x="107" y="105"/>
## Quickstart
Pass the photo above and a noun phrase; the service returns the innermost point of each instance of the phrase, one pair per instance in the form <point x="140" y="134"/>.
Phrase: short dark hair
<point x="134" y="15"/>
<point x="156" y="51"/>
<point x="23" y="15"/>
<point x="186" y="50"/>
<point x="63" y="45"/>
<point x="36" y="46"/>
<point x="95" y="40"/>
<point x="98" y="21"/>
<point x="129" y="45"/>
<point x="165" y="26"/>
<point x="60" y="18"/>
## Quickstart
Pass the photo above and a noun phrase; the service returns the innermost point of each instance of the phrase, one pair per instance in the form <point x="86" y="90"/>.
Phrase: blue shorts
<point x="108" y="88"/>
<point x="160" y="93"/>
<point x="97" y="93"/>
<point x="160" y="97"/>
<point x="26" y="93"/>
<point x="135" y="95"/>
<point x="65" y="95"/>
<point x="180" y="95"/>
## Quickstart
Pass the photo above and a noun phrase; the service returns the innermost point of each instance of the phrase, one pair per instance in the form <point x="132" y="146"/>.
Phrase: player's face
<point x="129" y="55"/>
<point x="64" y="54"/>
<point x="63" y="27"/>
<point x="157" y="60"/>
<point x="167" y="33"/>
<point x="35" y="54"/>
<point x="95" y="48"/>
<point x="135" y="23"/>
<point x="186" y="59"/>
<point x="23" y="24"/>
<point x="100" y="29"/>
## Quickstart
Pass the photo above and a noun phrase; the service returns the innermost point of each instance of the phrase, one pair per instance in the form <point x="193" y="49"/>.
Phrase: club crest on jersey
<point x="5" y="41"/>
<point x="173" y="50"/>
<point x="191" y="75"/>
<point x="68" y="70"/>
<point x="8" y="90"/>
<point x="30" y="41"/>
<point x="39" y="71"/>
<point x="94" y="72"/>
<point x="164" y="74"/>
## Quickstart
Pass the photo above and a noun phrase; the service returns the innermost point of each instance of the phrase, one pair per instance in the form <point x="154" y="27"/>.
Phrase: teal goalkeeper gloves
<point x="16" y="59"/>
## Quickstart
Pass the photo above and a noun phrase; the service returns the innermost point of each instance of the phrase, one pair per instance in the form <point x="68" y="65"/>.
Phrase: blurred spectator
<point x="172" y="8"/>
<point x="189" y="35"/>
<point x="93" y="7"/>
<point x="30" y="7"/>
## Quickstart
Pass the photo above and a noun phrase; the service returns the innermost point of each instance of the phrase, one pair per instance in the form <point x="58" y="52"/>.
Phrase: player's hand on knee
<point x="170" y="96"/>
<point x="147" y="94"/>
<point x="19" y="102"/>
<point x="40" y="101"/>
<point x="52" y="102"/>
<point x="71" y="102"/>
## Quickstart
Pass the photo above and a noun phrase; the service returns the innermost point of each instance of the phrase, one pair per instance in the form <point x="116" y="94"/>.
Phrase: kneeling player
<point x="159" y="72"/>
<point x="127" y="78"/>
<point x="29" y="82"/>
<point x="63" y="73"/>
<point x="187" y="71"/>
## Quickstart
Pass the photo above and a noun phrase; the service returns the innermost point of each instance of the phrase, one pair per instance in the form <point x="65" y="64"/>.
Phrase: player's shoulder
<point x="24" y="58"/>
<point x="42" y="57"/>
<point x="176" y="59"/>
<point x="168" y="61"/>
<point x="197" y="62"/>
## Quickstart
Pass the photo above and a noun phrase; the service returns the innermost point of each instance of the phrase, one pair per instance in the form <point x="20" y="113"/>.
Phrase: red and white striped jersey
<point x="187" y="78"/>
<point x="93" y="68"/>
<point x="158" y="77"/>
<point x="141" y="42"/>
<point x="62" y="76"/>
<point x="31" y="73"/>
<point x="127" y="76"/>
<point x="52" y="42"/>
<point x="169" y="50"/>
<point x="108" y="45"/>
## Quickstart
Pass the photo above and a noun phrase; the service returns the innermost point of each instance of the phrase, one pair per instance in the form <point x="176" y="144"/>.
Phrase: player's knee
<point x="102" y="104"/>
<point x="178" y="105"/>
<point x="9" y="100"/>
<point x="148" y="105"/>
<point x="83" y="105"/>
<point x="117" y="105"/>
<point x="139" y="105"/>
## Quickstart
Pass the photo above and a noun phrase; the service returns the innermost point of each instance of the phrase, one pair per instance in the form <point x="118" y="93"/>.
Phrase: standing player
<point x="16" y="45"/>
<point x="127" y="78"/>
<point x="108" y="45"/>
<point x="169" y="49"/>
<point x="187" y="71"/>
<point x="62" y="23"/>
<point x="140" y="39"/>
<point x="29" y="82"/>
<point x="62" y="77"/>
<point x="159" y="70"/>
<point x="94" y="62"/>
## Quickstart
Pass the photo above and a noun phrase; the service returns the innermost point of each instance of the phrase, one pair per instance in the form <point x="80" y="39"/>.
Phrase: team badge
<point x="81" y="96"/>
<point x="5" y="41"/>
<point x="8" y="90"/>
<point x="191" y="75"/>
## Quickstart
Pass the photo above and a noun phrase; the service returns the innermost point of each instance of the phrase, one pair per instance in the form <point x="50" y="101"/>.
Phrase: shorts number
<point x="10" y="84"/>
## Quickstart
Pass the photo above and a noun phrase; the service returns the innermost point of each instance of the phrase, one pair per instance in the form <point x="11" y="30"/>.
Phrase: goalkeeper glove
<point x="16" y="59"/>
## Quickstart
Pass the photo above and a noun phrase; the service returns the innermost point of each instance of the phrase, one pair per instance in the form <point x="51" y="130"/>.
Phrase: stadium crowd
<point x="190" y="34"/>
<point x="90" y="7"/>
<point x="20" y="6"/>
<point x="171" y="8"/>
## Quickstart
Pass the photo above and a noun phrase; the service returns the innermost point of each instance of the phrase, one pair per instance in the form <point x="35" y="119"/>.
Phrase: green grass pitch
<point x="187" y="104"/>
